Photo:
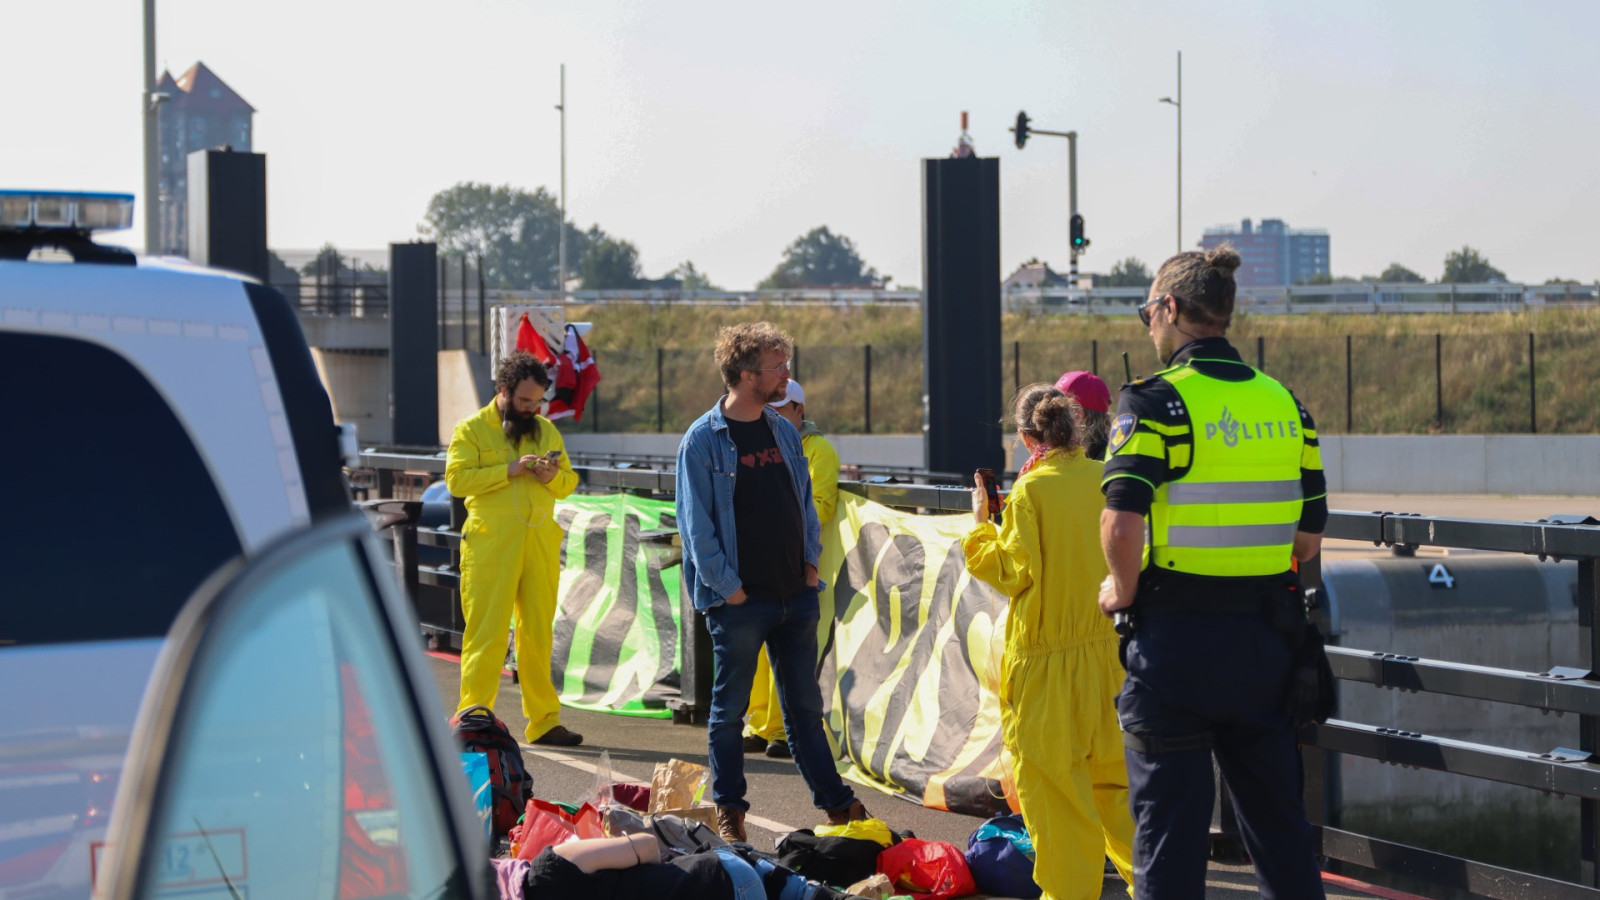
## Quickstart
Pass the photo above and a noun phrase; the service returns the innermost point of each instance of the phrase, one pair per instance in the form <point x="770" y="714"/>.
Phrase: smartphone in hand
<point x="989" y="484"/>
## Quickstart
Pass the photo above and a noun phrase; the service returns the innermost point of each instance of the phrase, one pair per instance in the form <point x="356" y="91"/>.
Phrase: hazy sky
<point x="718" y="132"/>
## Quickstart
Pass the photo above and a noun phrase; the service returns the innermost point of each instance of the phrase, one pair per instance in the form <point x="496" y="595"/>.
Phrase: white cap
<point x="797" y="394"/>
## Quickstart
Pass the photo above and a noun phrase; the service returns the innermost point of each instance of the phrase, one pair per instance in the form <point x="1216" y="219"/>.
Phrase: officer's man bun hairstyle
<point x="740" y="348"/>
<point x="1045" y="414"/>
<point x="517" y="366"/>
<point x="1204" y="284"/>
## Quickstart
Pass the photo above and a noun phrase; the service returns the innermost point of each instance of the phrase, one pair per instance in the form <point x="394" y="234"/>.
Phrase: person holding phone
<point x="1060" y="673"/>
<point x="507" y="461"/>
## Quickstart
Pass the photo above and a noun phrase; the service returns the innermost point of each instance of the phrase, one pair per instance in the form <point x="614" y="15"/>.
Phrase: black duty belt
<point x="1161" y="604"/>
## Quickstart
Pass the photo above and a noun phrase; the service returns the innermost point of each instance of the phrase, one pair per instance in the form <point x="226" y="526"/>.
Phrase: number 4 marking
<point x="1439" y="576"/>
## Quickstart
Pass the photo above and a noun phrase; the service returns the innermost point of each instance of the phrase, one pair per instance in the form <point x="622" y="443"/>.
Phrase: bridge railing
<point x="1571" y="690"/>
<point x="1561" y="689"/>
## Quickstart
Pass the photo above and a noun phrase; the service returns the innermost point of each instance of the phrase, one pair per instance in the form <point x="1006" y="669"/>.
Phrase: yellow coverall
<point x="1060" y="674"/>
<point x="510" y="559"/>
<point x="766" y="716"/>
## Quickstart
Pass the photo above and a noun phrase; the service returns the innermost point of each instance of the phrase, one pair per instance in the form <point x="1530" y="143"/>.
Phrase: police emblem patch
<point x="1121" y="430"/>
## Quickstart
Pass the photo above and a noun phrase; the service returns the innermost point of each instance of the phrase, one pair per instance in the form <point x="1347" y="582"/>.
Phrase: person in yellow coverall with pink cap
<point x="511" y="466"/>
<point x="1060" y="674"/>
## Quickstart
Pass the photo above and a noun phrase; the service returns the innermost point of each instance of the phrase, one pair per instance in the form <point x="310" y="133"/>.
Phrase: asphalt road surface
<point x="779" y="800"/>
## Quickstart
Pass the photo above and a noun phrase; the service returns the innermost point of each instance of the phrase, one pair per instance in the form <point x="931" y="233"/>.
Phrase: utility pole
<point x="561" y="229"/>
<point x="152" y="138"/>
<point x="1178" y="104"/>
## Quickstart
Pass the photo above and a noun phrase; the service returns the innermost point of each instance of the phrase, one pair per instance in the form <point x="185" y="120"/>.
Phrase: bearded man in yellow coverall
<point x="764" y="730"/>
<point x="510" y="464"/>
<point x="1060" y="674"/>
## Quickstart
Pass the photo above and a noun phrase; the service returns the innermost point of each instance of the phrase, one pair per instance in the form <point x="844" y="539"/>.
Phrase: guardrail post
<point x="1589" y="726"/>
<point x="1016" y="365"/>
<point x="1261" y="352"/>
<point x="699" y="667"/>
<point x="405" y="559"/>
<point x="1094" y="356"/>
<point x="661" y="396"/>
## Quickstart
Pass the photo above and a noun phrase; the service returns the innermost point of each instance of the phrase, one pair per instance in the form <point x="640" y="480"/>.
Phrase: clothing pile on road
<point x="862" y="858"/>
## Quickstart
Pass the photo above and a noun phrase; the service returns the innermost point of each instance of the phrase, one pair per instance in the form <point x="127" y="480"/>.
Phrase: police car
<point x="209" y="684"/>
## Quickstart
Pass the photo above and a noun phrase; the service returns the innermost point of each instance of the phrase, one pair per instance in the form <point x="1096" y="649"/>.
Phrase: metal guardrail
<point x="1574" y="690"/>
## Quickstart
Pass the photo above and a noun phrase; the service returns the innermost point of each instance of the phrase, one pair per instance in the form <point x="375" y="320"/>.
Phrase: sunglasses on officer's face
<point x="1149" y="305"/>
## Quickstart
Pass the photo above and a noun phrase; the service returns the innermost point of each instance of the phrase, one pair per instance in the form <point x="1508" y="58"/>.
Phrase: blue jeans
<point x="788" y="628"/>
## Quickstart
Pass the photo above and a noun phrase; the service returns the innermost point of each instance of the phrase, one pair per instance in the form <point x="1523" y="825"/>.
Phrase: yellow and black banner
<point x="910" y="669"/>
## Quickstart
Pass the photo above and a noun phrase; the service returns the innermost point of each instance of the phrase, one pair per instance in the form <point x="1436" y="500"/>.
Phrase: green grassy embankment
<point x="1482" y="364"/>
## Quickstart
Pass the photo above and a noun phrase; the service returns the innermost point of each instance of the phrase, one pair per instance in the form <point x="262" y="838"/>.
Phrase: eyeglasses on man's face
<point x="781" y="367"/>
<point x="1149" y="306"/>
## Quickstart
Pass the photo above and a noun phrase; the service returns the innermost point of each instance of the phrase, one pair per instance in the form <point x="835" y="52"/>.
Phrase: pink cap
<point x="1086" y="388"/>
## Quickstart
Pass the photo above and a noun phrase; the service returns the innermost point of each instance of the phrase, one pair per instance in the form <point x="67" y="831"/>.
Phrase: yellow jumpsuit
<point x="1060" y="674"/>
<point x="822" y="461"/>
<point x="510" y="560"/>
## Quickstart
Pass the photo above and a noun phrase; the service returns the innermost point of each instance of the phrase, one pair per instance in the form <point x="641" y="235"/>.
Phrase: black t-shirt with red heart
<point x="771" y="531"/>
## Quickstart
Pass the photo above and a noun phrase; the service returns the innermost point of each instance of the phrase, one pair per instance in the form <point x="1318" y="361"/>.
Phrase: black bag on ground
<point x="831" y="860"/>
<point x="478" y="731"/>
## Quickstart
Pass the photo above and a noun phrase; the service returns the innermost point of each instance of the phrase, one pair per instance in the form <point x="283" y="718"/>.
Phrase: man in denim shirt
<point x="751" y="544"/>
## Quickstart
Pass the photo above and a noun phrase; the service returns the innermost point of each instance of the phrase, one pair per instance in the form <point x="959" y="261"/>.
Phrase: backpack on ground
<point x="478" y="731"/>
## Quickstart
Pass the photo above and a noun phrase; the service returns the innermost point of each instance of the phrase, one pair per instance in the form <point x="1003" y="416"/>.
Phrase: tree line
<point x="517" y="235"/>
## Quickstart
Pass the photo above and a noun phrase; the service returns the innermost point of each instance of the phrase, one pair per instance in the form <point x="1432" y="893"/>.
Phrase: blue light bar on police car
<point x="66" y="210"/>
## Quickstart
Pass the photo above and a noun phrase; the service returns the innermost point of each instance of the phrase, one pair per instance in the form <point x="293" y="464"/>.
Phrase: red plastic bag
<point x="545" y="824"/>
<point x="541" y="828"/>
<point x="929" y="870"/>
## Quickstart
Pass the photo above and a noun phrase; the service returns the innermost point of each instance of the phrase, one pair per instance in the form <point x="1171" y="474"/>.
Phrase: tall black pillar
<point x="414" y="345"/>
<point x="961" y="363"/>
<point x="227" y="226"/>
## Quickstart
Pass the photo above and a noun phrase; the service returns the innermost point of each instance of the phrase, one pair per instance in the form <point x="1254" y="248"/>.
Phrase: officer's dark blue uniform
<point x="1225" y="464"/>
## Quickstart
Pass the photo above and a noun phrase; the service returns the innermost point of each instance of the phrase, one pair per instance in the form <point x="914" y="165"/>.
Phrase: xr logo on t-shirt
<point x="761" y="458"/>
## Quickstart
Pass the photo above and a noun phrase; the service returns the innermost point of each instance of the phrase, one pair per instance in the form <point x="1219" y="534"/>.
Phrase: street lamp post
<point x="1178" y="105"/>
<point x="561" y="227"/>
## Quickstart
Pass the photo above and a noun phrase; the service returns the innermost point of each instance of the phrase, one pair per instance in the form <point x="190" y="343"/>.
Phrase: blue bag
<point x="1000" y="855"/>
<point x="476" y="767"/>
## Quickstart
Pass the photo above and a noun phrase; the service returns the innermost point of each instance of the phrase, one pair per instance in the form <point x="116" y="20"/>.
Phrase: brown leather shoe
<point x="754" y="743"/>
<point x="559" y="736"/>
<point x="730" y="824"/>
<point x="852" y="813"/>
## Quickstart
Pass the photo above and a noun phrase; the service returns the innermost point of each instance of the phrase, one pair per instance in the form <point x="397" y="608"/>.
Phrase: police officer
<point x="1223" y="462"/>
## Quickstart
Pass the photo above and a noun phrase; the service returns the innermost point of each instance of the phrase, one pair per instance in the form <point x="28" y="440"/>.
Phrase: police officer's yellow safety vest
<point x="1236" y="510"/>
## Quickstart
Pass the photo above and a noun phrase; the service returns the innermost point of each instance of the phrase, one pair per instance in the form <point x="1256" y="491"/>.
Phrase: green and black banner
<point x="617" y="628"/>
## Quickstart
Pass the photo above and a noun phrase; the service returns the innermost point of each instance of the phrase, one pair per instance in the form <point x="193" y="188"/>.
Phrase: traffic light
<point x="1021" y="130"/>
<point x="1079" y="242"/>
